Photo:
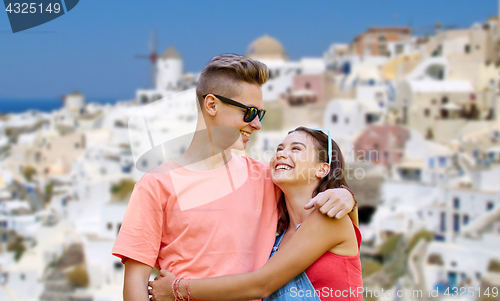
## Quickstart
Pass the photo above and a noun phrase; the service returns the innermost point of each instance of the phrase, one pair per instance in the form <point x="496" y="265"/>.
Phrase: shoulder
<point x="257" y="163"/>
<point x="257" y="166"/>
<point x="259" y="170"/>
<point x="156" y="182"/>
<point x="340" y="228"/>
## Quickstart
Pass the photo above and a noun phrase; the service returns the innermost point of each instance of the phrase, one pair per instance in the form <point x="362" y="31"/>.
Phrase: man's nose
<point x="255" y="123"/>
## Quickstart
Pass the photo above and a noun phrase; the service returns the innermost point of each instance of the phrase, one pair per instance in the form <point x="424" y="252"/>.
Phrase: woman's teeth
<point x="245" y="133"/>
<point x="285" y="167"/>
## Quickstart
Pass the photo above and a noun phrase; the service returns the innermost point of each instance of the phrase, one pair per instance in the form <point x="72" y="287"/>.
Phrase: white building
<point x="344" y="118"/>
<point x="74" y="103"/>
<point x="271" y="52"/>
<point x="169" y="66"/>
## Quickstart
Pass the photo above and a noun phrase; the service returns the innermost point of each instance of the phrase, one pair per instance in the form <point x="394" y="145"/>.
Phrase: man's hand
<point x="336" y="202"/>
<point x="161" y="287"/>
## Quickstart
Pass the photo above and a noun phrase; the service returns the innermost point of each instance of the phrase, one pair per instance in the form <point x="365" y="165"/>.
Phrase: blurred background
<point x="409" y="90"/>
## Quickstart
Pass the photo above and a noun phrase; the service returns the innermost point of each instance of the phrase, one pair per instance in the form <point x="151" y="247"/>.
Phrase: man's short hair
<point x="225" y="72"/>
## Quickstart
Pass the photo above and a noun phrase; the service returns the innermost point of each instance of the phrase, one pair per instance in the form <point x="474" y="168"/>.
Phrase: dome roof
<point x="171" y="53"/>
<point x="266" y="48"/>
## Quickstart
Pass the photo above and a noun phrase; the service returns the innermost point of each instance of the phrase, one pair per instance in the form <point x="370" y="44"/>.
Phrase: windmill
<point x="153" y="54"/>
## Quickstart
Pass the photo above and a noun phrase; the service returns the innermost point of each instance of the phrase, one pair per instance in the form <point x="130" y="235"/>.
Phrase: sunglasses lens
<point x="261" y="114"/>
<point x="250" y="115"/>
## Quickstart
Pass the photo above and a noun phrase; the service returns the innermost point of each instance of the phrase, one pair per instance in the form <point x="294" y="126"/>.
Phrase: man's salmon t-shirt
<point x="201" y="223"/>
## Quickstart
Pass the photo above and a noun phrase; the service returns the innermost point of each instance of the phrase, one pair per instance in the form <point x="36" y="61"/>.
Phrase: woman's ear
<point x="210" y="105"/>
<point x="323" y="170"/>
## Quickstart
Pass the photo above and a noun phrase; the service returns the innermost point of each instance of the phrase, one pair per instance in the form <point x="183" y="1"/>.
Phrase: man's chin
<point x="238" y="145"/>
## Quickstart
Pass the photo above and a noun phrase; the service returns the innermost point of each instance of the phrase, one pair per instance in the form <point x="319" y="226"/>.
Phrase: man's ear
<point x="323" y="170"/>
<point x="210" y="105"/>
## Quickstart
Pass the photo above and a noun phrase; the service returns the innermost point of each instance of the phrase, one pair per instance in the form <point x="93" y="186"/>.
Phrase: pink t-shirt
<point x="202" y="223"/>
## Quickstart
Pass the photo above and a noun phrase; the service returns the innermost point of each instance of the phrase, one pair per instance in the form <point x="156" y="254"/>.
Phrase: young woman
<point x="314" y="257"/>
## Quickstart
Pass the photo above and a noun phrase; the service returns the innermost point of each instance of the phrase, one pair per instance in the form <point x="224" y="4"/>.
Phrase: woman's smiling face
<point x="296" y="160"/>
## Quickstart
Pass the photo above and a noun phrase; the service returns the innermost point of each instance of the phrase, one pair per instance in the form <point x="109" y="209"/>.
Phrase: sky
<point x="92" y="47"/>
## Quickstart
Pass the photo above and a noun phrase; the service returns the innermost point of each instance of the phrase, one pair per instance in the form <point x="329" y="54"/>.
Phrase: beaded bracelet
<point x="173" y="289"/>
<point x="177" y="289"/>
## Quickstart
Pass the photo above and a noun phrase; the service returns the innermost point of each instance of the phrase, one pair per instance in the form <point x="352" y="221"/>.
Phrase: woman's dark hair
<point x="334" y="179"/>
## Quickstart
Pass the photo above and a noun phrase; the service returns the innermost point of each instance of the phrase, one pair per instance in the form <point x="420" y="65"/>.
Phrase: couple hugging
<point x="210" y="220"/>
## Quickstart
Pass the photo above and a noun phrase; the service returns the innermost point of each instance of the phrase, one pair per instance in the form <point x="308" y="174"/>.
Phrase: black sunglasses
<point x="251" y="112"/>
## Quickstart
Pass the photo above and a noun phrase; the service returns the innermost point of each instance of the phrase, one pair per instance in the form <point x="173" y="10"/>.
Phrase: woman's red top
<point x="336" y="277"/>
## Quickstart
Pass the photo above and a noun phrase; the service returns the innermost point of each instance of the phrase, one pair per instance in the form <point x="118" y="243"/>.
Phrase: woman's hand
<point x="161" y="287"/>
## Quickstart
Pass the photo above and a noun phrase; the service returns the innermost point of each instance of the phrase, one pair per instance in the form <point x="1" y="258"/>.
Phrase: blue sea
<point x="13" y="105"/>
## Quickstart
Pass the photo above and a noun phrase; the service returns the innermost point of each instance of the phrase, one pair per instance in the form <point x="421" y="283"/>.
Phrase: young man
<point x="208" y="212"/>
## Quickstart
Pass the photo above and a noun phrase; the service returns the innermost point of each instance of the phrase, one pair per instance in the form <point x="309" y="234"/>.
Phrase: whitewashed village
<point x="417" y="118"/>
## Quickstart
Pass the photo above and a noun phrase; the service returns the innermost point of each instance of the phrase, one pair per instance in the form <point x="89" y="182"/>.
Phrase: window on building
<point x="438" y="51"/>
<point x="442" y="222"/>
<point x="118" y="265"/>
<point x="22" y="276"/>
<point x="463" y="276"/>
<point x="308" y="85"/>
<point x="109" y="226"/>
<point x="399" y="49"/>
<point x="467" y="48"/>
<point x="444" y="100"/>
<point x="435" y="259"/>
<point x="431" y="163"/>
<point x="334" y="118"/>
<point x="382" y="49"/>
<point x="77" y="145"/>
<point x="465" y="220"/>
<point x="368" y="50"/>
<point x="433" y="101"/>
<point x="456" y="223"/>
<point x="456" y="203"/>
<point x="347" y="120"/>
<point x="444" y="114"/>
<point x="489" y="206"/>
<point x="427" y="112"/>
<point x="270" y="88"/>
<point x="442" y="161"/>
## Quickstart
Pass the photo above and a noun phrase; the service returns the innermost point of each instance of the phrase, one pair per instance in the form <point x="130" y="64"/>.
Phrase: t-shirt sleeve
<point x="141" y="231"/>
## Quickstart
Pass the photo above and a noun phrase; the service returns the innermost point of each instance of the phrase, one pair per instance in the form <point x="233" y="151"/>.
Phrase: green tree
<point x="18" y="247"/>
<point x="430" y="134"/>
<point x="78" y="276"/>
<point x="29" y="172"/>
<point x="122" y="189"/>
<point x="49" y="190"/>
<point x="424" y="234"/>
